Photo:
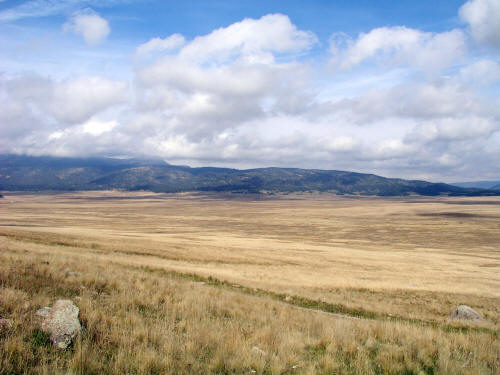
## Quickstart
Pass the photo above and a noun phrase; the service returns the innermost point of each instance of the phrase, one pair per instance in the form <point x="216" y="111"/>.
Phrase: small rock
<point x="465" y="312"/>
<point x="5" y="323"/>
<point x="258" y="350"/>
<point x="62" y="323"/>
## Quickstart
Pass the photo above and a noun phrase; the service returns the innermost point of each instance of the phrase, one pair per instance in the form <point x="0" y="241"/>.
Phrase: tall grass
<point x="140" y="322"/>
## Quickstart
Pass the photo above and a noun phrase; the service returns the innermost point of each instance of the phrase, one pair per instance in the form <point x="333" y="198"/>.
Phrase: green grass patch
<point x="39" y="338"/>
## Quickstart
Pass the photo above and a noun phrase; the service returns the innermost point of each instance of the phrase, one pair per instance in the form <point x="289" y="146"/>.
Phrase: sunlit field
<point x="241" y="284"/>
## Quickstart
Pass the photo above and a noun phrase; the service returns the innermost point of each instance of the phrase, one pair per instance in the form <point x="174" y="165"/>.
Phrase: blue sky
<point x="142" y="19"/>
<point x="398" y="88"/>
<point x="192" y="18"/>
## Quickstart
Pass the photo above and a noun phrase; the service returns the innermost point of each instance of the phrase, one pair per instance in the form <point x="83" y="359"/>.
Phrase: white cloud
<point x="77" y="100"/>
<point x="92" y="27"/>
<point x="35" y="104"/>
<point x="45" y="8"/>
<point x="341" y="144"/>
<point x="448" y="160"/>
<point x="406" y="101"/>
<point x="255" y="40"/>
<point x="172" y="42"/>
<point x="97" y="127"/>
<point x="482" y="73"/>
<point x="400" y="46"/>
<point x="389" y="149"/>
<point x="454" y="129"/>
<point x="55" y="135"/>
<point x="227" y="77"/>
<point x="483" y="17"/>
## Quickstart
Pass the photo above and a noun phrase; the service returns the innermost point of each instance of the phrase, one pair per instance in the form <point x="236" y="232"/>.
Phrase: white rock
<point x="465" y="312"/>
<point x="62" y="323"/>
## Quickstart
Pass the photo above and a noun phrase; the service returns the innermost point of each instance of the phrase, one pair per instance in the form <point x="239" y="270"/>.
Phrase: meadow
<point x="242" y="284"/>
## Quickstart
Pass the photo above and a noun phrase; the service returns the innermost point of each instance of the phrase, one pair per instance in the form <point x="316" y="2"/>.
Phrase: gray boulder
<point x="466" y="313"/>
<point x="62" y="323"/>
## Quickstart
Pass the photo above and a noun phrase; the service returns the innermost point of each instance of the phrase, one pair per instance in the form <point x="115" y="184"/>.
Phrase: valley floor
<point x="299" y="284"/>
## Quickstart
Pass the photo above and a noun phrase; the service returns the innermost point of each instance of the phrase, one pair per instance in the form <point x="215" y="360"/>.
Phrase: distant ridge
<point x="478" y="184"/>
<point x="28" y="173"/>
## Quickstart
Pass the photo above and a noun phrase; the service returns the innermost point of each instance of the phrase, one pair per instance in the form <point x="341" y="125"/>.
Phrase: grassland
<point x="298" y="284"/>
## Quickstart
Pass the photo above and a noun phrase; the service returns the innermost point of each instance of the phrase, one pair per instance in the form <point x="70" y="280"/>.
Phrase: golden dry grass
<point x="412" y="258"/>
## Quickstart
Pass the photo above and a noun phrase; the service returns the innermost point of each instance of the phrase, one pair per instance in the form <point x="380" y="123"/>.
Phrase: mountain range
<point x="478" y="184"/>
<point x="29" y="173"/>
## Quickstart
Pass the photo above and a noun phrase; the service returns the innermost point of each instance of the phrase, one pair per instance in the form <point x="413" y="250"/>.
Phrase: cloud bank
<point x="401" y="46"/>
<point x="395" y="100"/>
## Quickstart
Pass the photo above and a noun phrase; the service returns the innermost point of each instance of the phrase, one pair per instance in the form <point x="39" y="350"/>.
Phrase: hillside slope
<point x="28" y="173"/>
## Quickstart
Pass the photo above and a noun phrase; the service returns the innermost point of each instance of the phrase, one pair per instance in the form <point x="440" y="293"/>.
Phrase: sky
<point x="398" y="88"/>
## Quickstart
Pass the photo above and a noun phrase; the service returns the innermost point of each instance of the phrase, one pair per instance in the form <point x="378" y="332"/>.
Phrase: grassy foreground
<point x="140" y="322"/>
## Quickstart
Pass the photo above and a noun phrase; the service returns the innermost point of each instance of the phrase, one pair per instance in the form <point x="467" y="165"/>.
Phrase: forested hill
<point x="27" y="173"/>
